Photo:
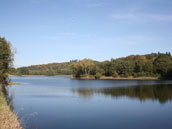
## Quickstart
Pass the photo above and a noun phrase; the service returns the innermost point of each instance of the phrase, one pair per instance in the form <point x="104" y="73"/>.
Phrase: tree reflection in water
<point x="162" y="93"/>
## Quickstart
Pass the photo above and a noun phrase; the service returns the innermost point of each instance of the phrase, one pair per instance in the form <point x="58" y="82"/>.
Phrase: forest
<point x="45" y="69"/>
<point x="149" y="65"/>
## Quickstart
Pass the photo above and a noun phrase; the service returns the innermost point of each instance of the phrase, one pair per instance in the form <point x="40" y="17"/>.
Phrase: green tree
<point x="6" y="60"/>
<point x="162" y="64"/>
<point x="23" y="71"/>
<point x="107" y="68"/>
<point x="148" y="67"/>
<point x="86" y="66"/>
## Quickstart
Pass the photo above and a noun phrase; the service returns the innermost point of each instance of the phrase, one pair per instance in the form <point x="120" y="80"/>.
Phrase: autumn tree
<point x="86" y="66"/>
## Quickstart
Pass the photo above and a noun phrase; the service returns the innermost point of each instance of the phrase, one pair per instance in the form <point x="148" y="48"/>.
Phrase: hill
<point x="50" y="69"/>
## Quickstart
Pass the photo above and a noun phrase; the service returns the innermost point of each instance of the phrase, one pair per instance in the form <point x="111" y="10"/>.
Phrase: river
<point x="60" y="102"/>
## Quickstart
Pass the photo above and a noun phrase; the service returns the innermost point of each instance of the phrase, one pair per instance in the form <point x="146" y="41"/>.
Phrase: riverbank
<point x="14" y="83"/>
<point x="100" y="78"/>
<point x="8" y="119"/>
<point x="37" y="75"/>
<point x="115" y="78"/>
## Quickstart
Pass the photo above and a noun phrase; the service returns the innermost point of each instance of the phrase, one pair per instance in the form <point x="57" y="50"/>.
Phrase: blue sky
<point x="45" y="31"/>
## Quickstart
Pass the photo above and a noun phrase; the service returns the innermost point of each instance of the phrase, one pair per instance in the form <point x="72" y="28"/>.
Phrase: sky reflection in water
<point x="60" y="102"/>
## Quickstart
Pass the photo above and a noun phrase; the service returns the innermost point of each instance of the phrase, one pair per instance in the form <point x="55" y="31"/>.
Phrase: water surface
<point x="65" y="103"/>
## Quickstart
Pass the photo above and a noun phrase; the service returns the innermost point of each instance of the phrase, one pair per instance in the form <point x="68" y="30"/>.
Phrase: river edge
<point x="116" y="78"/>
<point x="101" y="78"/>
<point x="8" y="119"/>
<point x="37" y="75"/>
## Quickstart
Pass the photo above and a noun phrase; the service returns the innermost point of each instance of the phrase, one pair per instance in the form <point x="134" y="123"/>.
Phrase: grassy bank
<point x="8" y="119"/>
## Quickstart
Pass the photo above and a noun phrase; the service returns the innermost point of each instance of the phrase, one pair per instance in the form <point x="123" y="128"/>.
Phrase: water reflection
<point x="62" y="103"/>
<point x="162" y="93"/>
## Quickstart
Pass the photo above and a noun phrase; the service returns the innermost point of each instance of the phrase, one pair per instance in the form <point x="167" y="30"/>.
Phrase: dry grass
<point x="8" y="119"/>
<point x="115" y="78"/>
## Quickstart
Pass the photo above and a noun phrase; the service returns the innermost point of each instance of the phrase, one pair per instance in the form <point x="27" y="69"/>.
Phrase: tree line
<point x="51" y="69"/>
<point x="149" y="65"/>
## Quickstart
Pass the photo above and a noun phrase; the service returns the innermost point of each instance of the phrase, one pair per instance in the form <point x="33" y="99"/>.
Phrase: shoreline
<point x="100" y="78"/>
<point x="37" y="75"/>
<point x="8" y="119"/>
<point x="116" y="78"/>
